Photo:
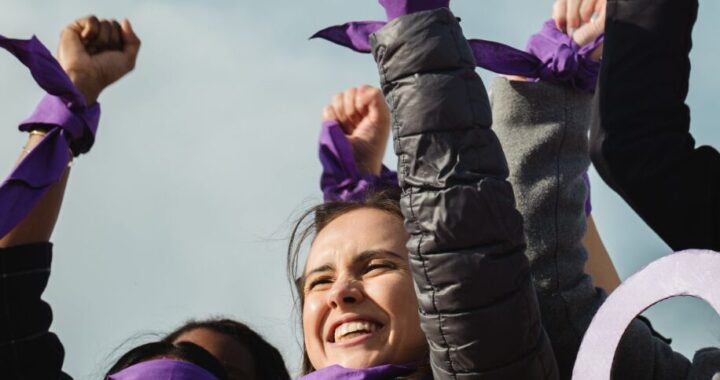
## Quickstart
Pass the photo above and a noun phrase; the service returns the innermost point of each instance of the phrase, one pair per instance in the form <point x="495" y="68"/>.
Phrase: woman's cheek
<point x="313" y="311"/>
<point x="392" y="292"/>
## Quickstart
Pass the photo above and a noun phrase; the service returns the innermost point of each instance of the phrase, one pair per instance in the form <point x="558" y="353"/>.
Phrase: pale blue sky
<point x="208" y="150"/>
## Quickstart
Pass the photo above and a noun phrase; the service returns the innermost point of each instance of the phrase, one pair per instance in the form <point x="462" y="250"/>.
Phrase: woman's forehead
<point x="355" y="232"/>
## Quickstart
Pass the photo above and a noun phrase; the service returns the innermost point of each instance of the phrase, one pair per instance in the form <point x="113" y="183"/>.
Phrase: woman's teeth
<point x="352" y="329"/>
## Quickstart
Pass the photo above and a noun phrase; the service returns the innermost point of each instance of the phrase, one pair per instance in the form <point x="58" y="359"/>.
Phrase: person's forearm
<point x="641" y="142"/>
<point x="466" y="246"/>
<point x="38" y="226"/>
<point x="28" y="350"/>
<point x="599" y="265"/>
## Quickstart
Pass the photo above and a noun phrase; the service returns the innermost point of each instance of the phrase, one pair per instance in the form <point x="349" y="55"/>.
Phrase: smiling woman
<point x="359" y="308"/>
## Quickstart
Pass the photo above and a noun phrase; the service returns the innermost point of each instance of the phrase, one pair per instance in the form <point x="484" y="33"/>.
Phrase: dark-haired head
<point x="184" y="351"/>
<point x="243" y="353"/>
<point x="355" y="290"/>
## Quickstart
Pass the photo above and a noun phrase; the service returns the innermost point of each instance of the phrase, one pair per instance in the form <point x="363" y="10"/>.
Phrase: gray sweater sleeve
<point x="477" y="304"/>
<point x="543" y="129"/>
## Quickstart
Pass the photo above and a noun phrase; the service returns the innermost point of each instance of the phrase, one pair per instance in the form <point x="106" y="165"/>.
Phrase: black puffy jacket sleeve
<point x="477" y="304"/>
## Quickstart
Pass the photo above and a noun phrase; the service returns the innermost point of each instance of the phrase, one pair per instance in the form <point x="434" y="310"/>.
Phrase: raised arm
<point x="477" y="304"/>
<point x="543" y="130"/>
<point x="641" y="141"/>
<point x="94" y="54"/>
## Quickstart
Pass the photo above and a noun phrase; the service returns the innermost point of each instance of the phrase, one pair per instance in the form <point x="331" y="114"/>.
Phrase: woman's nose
<point x="344" y="293"/>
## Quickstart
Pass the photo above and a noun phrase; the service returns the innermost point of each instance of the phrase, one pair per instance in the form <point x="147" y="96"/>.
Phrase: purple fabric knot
<point x="70" y="124"/>
<point x="552" y="55"/>
<point x="563" y="60"/>
<point x="77" y="124"/>
<point x="163" y="369"/>
<point x="337" y="372"/>
<point x="341" y="179"/>
<point x="397" y="8"/>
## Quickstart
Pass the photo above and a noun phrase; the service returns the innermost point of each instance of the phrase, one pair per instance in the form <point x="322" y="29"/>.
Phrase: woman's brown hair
<point x="314" y="220"/>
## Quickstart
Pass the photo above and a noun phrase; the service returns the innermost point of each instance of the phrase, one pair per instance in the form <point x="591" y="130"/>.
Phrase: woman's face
<point x="360" y="308"/>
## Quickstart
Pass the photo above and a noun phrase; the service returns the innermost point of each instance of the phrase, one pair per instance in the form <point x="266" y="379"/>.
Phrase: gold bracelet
<point x="26" y="150"/>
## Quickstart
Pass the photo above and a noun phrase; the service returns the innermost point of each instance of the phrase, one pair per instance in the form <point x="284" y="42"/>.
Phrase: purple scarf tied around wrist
<point x="70" y="124"/>
<point x="341" y="179"/>
<point x="551" y="55"/>
<point x="375" y="373"/>
<point x="163" y="369"/>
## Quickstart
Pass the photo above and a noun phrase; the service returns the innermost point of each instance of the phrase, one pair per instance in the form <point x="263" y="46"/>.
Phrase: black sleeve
<point x="477" y="303"/>
<point x="641" y="143"/>
<point x="28" y="350"/>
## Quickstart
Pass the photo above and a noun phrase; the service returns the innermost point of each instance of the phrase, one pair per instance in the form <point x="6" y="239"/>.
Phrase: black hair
<point x="184" y="351"/>
<point x="269" y="364"/>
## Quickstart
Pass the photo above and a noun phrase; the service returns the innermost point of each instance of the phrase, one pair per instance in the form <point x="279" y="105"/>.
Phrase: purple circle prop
<point x="692" y="273"/>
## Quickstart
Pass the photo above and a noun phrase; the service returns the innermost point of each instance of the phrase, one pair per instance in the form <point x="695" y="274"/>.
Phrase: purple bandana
<point x="163" y="369"/>
<point x="397" y="8"/>
<point x="552" y="55"/>
<point x="70" y="124"/>
<point x="341" y="178"/>
<point x="562" y="60"/>
<point x="375" y="373"/>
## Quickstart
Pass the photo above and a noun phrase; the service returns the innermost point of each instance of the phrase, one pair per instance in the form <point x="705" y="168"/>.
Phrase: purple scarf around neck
<point x="337" y="372"/>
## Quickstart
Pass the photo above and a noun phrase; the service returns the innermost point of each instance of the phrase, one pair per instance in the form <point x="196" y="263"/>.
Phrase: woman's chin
<point x="362" y="359"/>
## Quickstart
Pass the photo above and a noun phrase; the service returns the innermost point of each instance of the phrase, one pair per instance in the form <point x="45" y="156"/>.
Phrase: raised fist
<point x="365" y="118"/>
<point x="95" y="53"/>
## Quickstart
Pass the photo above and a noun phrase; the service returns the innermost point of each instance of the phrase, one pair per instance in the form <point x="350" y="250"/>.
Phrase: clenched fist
<point x="576" y="17"/>
<point x="95" y="53"/>
<point x="365" y="118"/>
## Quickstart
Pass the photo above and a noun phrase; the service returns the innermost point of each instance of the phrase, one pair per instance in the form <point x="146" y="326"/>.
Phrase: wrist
<point x="86" y="84"/>
<point x="369" y="167"/>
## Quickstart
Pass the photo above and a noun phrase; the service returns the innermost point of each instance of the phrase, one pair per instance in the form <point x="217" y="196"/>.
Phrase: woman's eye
<point x="319" y="282"/>
<point x="379" y="266"/>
